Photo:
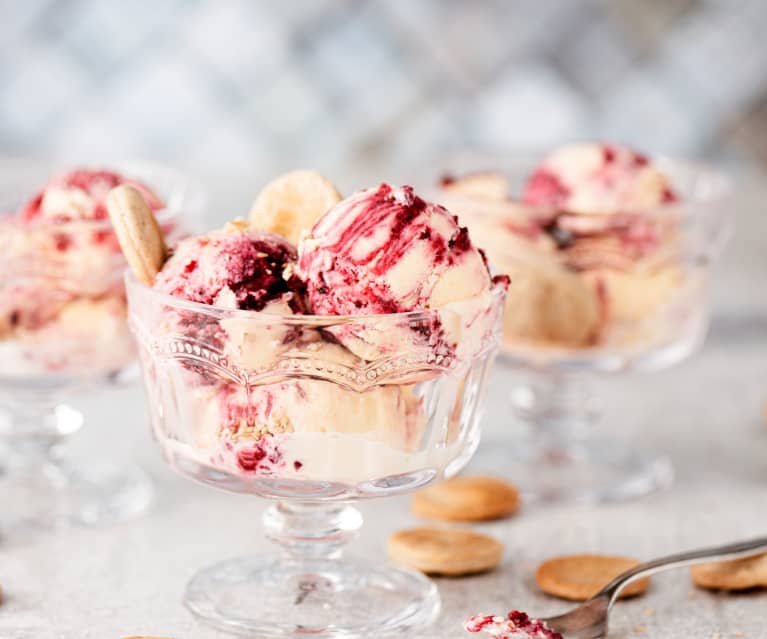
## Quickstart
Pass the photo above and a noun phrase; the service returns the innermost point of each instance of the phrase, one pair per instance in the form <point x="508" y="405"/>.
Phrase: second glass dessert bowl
<point x="591" y="294"/>
<point x="276" y="407"/>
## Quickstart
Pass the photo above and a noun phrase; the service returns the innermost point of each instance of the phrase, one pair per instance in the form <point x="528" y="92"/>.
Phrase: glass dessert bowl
<point x="276" y="407"/>
<point x="349" y="367"/>
<point x="63" y="330"/>
<point x="610" y="262"/>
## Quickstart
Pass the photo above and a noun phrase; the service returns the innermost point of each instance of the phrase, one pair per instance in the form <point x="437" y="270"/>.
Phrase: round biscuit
<point x="138" y="232"/>
<point x="739" y="574"/>
<point x="292" y="204"/>
<point x="580" y="577"/>
<point x="445" y="551"/>
<point x="486" y="185"/>
<point x="469" y="498"/>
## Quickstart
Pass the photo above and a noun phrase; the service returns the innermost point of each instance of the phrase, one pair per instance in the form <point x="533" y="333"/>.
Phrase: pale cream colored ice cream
<point x="592" y="249"/>
<point x="63" y="306"/>
<point x="84" y="337"/>
<point x="547" y="302"/>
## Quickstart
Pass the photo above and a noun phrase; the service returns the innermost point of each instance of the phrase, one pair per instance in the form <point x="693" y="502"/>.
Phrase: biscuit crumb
<point x="737" y="633"/>
<point x="692" y="594"/>
<point x="640" y="630"/>
<point x="649" y="611"/>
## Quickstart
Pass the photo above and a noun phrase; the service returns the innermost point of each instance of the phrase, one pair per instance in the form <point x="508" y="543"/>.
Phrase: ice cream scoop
<point x="81" y="195"/>
<point x="386" y="250"/>
<point x="234" y="268"/>
<point x="597" y="179"/>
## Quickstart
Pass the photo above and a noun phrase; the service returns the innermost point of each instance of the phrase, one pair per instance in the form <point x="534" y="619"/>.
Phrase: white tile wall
<point x="271" y="84"/>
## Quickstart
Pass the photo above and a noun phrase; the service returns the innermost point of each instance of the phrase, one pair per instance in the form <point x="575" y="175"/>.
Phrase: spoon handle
<point x="737" y="550"/>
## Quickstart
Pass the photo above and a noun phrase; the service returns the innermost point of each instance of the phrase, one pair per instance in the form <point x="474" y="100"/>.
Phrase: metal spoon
<point x="589" y="620"/>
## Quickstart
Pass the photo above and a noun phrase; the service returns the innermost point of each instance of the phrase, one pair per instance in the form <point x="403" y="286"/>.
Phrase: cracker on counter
<point x="487" y="185"/>
<point x="468" y="498"/>
<point x="445" y="551"/>
<point x="738" y="574"/>
<point x="580" y="577"/>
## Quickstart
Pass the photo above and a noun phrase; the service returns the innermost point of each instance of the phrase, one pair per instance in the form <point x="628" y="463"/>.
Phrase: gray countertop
<point x="706" y="414"/>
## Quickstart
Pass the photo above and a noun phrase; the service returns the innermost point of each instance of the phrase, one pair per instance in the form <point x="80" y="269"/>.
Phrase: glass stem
<point x="31" y="431"/>
<point x="312" y="530"/>
<point x="560" y="406"/>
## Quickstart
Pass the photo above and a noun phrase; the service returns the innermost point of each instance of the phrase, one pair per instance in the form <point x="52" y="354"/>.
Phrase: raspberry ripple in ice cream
<point x="63" y="307"/>
<point x="304" y="428"/>
<point x="515" y="625"/>
<point x="592" y="248"/>
<point x="274" y="384"/>
<point x="597" y="179"/>
<point x="81" y="195"/>
<point x="292" y="427"/>
<point x="614" y="226"/>
<point x="308" y="429"/>
<point x="235" y="268"/>
<point x="386" y="250"/>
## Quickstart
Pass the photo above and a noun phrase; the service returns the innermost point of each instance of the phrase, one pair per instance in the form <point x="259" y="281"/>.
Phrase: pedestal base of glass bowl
<point x="559" y="460"/>
<point x="42" y="488"/>
<point x="580" y="472"/>
<point x="310" y="590"/>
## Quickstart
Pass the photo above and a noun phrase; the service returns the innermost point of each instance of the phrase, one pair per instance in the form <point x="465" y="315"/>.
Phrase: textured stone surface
<point x="706" y="414"/>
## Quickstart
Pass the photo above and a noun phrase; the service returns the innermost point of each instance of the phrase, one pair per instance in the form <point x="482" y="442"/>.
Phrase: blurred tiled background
<point x="270" y="84"/>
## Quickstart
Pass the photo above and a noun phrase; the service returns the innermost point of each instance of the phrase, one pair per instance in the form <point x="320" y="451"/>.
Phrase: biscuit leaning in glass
<point x="348" y="367"/>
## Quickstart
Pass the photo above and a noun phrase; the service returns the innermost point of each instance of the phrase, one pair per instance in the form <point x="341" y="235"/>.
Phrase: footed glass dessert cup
<point x="313" y="412"/>
<point x="591" y="295"/>
<point x="64" y="332"/>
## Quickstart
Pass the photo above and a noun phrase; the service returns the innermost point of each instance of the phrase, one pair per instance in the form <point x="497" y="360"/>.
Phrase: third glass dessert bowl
<point x="252" y="390"/>
<point x="609" y="254"/>
<point x="63" y="330"/>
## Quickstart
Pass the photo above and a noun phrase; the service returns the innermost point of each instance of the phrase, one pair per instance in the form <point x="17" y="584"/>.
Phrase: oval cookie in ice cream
<point x="292" y="203"/>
